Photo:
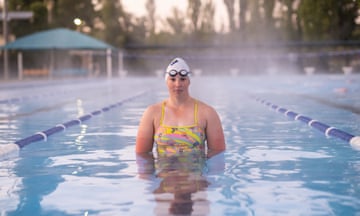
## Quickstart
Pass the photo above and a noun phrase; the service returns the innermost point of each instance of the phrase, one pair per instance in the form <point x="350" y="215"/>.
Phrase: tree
<point x="231" y="13"/>
<point x="194" y="13"/>
<point x="255" y="24"/>
<point x="268" y="19"/>
<point x="289" y="20"/>
<point x="65" y="11"/>
<point x="243" y="7"/>
<point x="112" y="31"/>
<point x="38" y="22"/>
<point x="119" y="26"/>
<point x="40" y="15"/>
<point x="260" y="24"/>
<point x="197" y="26"/>
<point x="137" y="33"/>
<point x="176" y="22"/>
<point x="328" y="19"/>
<point x="207" y="18"/>
<point x="268" y="6"/>
<point x="151" y="8"/>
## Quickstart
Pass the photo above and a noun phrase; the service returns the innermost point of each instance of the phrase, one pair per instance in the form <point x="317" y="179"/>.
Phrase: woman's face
<point x="178" y="84"/>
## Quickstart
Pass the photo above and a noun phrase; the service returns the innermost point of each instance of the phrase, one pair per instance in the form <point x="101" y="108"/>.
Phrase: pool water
<point x="273" y="165"/>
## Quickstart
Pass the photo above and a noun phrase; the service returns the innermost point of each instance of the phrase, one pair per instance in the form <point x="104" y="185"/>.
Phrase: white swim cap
<point x="177" y="64"/>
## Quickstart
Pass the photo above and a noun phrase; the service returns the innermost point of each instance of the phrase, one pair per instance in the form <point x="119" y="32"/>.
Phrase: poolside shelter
<point x="60" y="40"/>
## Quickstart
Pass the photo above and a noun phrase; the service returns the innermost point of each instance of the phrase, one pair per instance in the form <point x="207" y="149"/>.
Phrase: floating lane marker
<point x="11" y="150"/>
<point x="354" y="141"/>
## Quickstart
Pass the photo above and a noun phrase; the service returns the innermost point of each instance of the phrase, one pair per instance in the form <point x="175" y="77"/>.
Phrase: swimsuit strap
<point x="196" y="113"/>
<point x="162" y="113"/>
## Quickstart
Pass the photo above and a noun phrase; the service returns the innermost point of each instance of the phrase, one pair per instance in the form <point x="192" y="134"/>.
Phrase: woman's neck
<point x="179" y="101"/>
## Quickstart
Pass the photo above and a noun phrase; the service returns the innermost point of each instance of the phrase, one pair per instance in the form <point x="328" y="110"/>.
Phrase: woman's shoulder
<point x="154" y="108"/>
<point x="204" y="107"/>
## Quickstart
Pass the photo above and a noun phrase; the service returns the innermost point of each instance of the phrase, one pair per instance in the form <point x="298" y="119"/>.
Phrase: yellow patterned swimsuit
<point x="177" y="139"/>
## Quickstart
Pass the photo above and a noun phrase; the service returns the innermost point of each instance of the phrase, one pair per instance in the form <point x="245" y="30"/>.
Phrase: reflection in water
<point x="181" y="175"/>
<point x="183" y="184"/>
<point x="10" y="184"/>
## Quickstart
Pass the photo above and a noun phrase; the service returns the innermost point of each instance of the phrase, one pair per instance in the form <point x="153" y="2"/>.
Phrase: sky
<point x="164" y="9"/>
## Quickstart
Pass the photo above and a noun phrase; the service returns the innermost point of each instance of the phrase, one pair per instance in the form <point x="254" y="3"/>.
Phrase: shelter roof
<point x="59" y="38"/>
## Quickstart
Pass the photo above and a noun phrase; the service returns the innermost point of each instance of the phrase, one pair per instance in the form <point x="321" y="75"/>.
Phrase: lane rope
<point x="354" y="141"/>
<point x="12" y="150"/>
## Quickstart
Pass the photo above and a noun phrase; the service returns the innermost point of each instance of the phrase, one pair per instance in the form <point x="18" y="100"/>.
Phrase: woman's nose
<point x="178" y="81"/>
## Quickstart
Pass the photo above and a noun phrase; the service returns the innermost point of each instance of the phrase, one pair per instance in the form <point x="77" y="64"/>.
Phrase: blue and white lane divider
<point x="354" y="141"/>
<point x="12" y="150"/>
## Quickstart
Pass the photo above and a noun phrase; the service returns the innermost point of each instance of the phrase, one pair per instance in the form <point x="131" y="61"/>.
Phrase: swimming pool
<point x="273" y="165"/>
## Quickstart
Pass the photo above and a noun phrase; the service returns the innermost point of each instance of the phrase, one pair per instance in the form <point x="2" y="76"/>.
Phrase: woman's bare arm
<point x="145" y="134"/>
<point x="214" y="131"/>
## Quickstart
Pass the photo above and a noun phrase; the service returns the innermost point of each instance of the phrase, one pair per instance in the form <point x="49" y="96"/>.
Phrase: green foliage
<point x="194" y="13"/>
<point x="207" y="21"/>
<point x="23" y="27"/>
<point x="290" y="28"/>
<point x="231" y="13"/>
<point x="114" y="22"/>
<point x="40" y="16"/>
<point x="252" y="21"/>
<point x="328" y="19"/>
<point x="151" y="8"/>
<point x="177" y="23"/>
<point x="65" y="11"/>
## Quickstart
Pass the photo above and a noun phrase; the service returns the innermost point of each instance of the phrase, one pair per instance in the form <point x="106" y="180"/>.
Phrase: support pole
<point x="121" y="63"/>
<point x="108" y="63"/>
<point x="20" y="66"/>
<point x="5" y="33"/>
<point x="52" y="64"/>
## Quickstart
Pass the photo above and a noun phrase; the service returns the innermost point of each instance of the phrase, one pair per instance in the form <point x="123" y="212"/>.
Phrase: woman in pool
<point x="180" y="123"/>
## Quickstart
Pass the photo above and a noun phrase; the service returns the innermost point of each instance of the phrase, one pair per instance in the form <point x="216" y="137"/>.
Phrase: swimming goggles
<point x="182" y="73"/>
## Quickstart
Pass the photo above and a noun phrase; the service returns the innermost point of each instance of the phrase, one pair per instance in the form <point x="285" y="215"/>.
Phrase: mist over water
<point x="246" y="58"/>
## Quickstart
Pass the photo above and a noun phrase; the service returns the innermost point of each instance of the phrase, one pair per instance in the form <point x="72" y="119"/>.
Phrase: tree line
<point x="249" y="21"/>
